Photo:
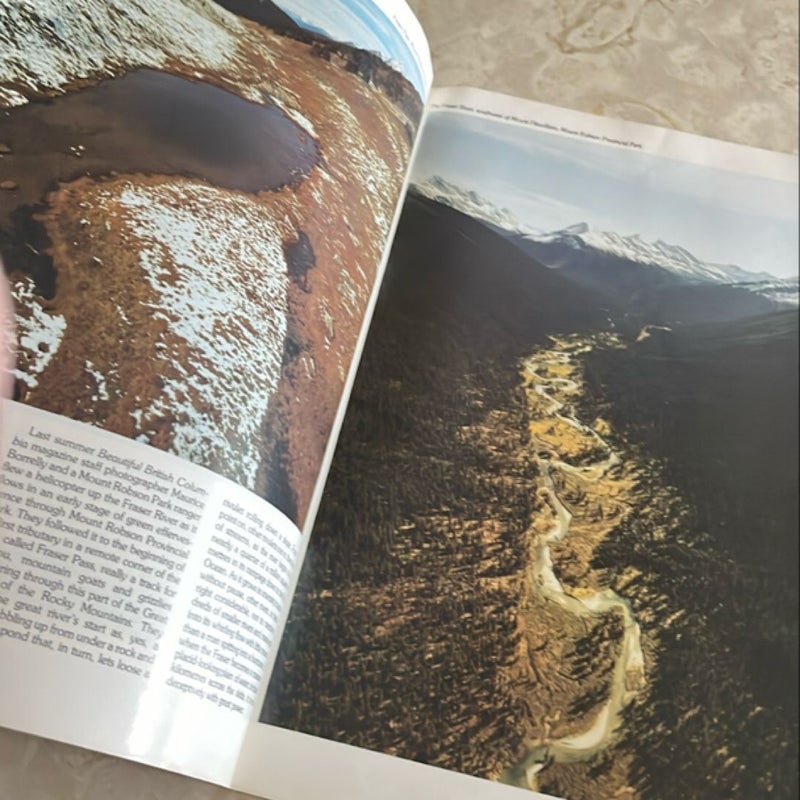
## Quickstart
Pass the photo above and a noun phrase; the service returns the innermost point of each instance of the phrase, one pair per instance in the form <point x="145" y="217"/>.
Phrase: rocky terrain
<point x="193" y="288"/>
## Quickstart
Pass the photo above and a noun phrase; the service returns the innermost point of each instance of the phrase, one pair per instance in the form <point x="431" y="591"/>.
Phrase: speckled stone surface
<point x="722" y="68"/>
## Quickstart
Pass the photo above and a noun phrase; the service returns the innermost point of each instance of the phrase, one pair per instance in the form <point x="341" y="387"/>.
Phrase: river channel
<point x="550" y="383"/>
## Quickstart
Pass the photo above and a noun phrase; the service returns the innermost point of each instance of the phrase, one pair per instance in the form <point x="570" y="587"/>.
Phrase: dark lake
<point x="149" y="122"/>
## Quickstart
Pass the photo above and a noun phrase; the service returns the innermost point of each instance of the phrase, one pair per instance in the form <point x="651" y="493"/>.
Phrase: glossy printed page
<point x="195" y="202"/>
<point x="569" y="473"/>
<point x="195" y="205"/>
<point x="132" y="576"/>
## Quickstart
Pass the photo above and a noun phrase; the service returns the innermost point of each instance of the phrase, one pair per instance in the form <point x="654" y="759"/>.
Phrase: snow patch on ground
<point x="100" y="381"/>
<point x="215" y="263"/>
<point x="47" y="44"/>
<point x="39" y="332"/>
<point x="300" y="119"/>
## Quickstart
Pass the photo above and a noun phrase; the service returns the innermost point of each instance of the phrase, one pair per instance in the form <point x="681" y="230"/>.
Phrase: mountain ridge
<point x="663" y="262"/>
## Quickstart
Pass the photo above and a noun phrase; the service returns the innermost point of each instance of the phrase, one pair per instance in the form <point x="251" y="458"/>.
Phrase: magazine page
<point x="557" y="550"/>
<point x="195" y="201"/>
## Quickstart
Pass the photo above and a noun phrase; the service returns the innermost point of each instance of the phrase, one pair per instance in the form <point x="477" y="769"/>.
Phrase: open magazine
<point x="529" y="527"/>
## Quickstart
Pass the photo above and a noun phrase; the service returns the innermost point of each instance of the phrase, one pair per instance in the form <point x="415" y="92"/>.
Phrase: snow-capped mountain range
<point x="674" y="259"/>
<point x="470" y="203"/>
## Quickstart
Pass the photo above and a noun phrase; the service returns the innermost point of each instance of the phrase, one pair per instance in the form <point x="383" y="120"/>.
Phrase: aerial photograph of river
<point x="558" y="544"/>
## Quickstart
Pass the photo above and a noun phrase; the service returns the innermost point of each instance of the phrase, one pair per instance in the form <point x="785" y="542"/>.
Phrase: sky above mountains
<point x="360" y="23"/>
<point x="549" y="181"/>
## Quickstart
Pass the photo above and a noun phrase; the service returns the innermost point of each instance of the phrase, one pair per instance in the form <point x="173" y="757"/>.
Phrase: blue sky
<point x="361" y="23"/>
<point x="550" y="181"/>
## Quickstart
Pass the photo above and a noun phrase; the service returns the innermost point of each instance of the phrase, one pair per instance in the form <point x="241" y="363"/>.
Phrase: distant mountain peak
<point x="634" y="248"/>
<point x="577" y="229"/>
<point x="468" y="201"/>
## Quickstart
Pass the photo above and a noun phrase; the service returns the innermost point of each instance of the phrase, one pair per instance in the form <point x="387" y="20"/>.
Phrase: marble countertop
<point x="722" y="68"/>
